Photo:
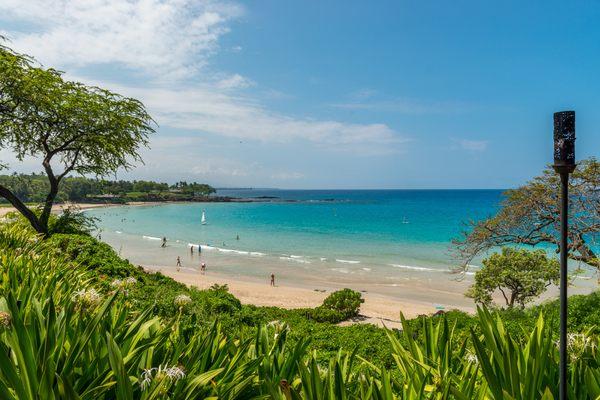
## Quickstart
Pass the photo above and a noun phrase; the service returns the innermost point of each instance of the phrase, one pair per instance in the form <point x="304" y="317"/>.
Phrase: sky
<point x="331" y="94"/>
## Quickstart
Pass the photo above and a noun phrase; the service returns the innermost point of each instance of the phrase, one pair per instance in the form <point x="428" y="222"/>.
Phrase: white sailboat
<point x="203" y="218"/>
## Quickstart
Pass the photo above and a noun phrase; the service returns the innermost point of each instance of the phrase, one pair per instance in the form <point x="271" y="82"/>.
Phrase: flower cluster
<point x="174" y="373"/>
<point x="578" y="344"/>
<point x="181" y="300"/>
<point x="5" y="319"/>
<point x="87" y="298"/>
<point x="123" y="285"/>
<point x="279" y="327"/>
<point x="471" y="358"/>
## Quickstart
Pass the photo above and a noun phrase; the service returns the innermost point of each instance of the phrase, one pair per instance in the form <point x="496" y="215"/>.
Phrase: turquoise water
<point x="395" y="243"/>
<point x="373" y="229"/>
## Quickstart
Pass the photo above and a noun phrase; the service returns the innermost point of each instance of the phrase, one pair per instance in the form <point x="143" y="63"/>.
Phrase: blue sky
<point x="332" y="94"/>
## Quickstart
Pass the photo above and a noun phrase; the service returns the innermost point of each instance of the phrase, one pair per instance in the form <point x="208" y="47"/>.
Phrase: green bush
<point x="346" y="301"/>
<point x="71" y="222"/>
<point x="324" y="314"/>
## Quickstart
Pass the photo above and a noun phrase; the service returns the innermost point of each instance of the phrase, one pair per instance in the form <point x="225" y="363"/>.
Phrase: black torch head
<point x="564" y="141"/>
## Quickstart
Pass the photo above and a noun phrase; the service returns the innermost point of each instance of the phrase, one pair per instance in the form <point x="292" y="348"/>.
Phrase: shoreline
<point x="6" y="208"/>
<point x="59" y="207"/>
<point x="377" y="309"/>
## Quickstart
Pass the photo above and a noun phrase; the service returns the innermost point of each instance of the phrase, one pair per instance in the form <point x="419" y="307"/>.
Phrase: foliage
<point x="530" y="216"/>
<point x="520" y="275"/>
<point x="324" y="314"/>
<point x="345" y="301"/>
<point x="72" y="222"/>
<point x="64" y="335"/>
<point x="34" y="187"/>
<point x="85" y="129"/>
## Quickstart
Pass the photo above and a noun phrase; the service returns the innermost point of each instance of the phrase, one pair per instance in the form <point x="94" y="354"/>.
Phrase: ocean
<point x="386" y="240"/>
<point x="410" y="229"/>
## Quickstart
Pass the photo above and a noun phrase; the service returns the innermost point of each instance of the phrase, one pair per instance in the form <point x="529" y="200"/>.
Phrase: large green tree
<point x="530" y="215"/>
<point x="69" y="126"/>
<point x="518" y="274"/>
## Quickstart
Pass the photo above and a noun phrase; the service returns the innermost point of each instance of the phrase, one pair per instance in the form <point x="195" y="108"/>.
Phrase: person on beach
<point x="203" y="268"/>
<point x="164" y="242"/>
<point x="272" y="279"/>
<point x="192" y="250"/>
<point x="178" y="263"/>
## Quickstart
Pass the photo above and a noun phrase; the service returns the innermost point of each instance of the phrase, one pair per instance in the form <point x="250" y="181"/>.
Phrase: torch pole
<point x="564" y="229"/>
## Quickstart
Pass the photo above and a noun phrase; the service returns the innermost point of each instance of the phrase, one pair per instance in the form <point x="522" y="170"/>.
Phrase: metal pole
<point x="564" y="229"/>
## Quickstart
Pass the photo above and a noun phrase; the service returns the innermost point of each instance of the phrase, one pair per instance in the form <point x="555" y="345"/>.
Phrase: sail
<point x="203" y="218"/>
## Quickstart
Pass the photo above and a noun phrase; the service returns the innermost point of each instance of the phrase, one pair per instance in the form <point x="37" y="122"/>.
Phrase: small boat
<point x="203" y="218"/>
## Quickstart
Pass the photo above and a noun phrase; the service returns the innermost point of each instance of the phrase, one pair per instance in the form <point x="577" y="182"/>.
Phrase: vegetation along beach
<point x="278" y="200"/>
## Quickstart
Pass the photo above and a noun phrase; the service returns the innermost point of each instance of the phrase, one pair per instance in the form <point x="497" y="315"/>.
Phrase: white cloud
<point x="235" y="81"/>
<point x="470" y="145"/>
<point x="163" y="38"/>
<point x="171" y="42"/>
<point x="205" y="108"/>
<point x="287" y="176"/>
<point x="362" y="101"/>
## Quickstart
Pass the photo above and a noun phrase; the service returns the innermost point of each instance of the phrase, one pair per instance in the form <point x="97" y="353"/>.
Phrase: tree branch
<point x="22" y="208"/>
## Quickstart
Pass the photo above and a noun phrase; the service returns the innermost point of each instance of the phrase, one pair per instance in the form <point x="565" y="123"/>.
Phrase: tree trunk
<point x="513" y="296"/>
<point x="45" y="216"/>
<point x="24" y="210"/>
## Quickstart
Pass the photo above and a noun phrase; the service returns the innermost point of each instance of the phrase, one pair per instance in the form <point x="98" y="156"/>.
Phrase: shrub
<point x="324" y="314"/>
<point x="520" y="275"/>
<point x="345" y="301"/>
<point x="221" y="301"/>
<point x="71" y="221"/>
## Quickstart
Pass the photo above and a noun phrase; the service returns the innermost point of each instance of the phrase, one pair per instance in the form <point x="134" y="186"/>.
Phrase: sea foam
<point x="151" y="237"/>
<point x="413" y="267"/>
<point x="347" y="261"/>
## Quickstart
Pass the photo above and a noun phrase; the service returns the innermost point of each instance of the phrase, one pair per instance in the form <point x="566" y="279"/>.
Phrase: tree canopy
<point x="33" y="188"/>
<point x="69" y="126"/>
<point x="530" y="215"/>
<point x="518" y="274"/>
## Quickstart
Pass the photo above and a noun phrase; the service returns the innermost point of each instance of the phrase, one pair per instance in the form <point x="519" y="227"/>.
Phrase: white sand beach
<point x="377" y="309"/>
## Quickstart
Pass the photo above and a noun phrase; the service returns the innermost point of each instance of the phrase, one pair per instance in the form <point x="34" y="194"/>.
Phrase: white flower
<point x="130" y="280"/>
<point x="146" y="378"/>
<point x="181" y="300"/>
<point x="173" y="373"/>
<point x="123" y="284"/>
<point x="87" y="298"/>
<point x="117" y="283"/>
<point x="577" y="344"/>
<point x="471" y="358"/>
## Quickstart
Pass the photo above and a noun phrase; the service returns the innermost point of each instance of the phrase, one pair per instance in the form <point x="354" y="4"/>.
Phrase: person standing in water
<point x="164" y="242"/>
<point x="237" y="237"/>
<point x="178" y="263"/>
<point x="192" y="250"/>
<point x="272" y="279"/>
